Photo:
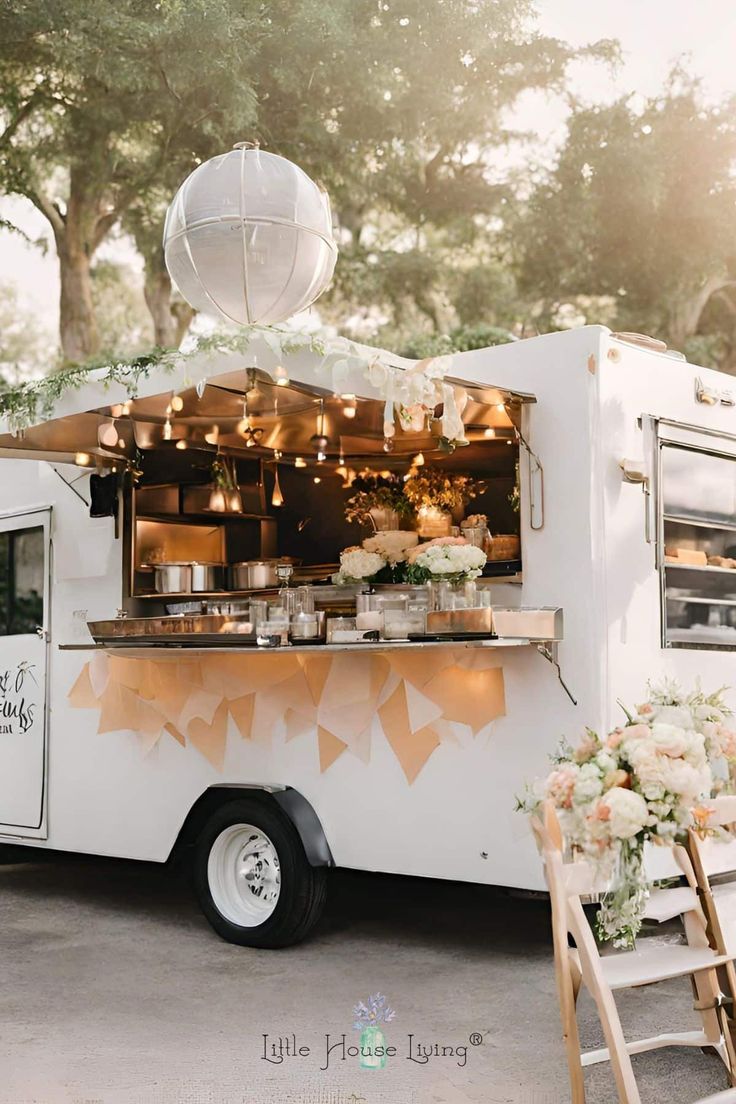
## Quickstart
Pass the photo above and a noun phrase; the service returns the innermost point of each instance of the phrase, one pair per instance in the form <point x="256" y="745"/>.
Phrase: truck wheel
<point x="252" y="877"/>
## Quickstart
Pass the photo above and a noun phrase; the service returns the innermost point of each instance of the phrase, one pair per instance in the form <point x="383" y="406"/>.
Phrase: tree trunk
<point x="171" y="317"/>
<point x="77" y="326"/>
<point x="685" y="314"/>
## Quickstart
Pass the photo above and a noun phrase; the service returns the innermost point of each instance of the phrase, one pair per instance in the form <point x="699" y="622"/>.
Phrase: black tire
<point x="303" y="887"/>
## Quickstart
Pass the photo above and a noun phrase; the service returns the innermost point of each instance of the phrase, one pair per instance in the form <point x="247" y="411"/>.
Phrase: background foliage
<point x="402" y="112"/>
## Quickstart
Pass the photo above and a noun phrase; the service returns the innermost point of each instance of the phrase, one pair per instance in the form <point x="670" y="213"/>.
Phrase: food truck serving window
<point x="698" y="520"/>
<point x="21" y="581"/>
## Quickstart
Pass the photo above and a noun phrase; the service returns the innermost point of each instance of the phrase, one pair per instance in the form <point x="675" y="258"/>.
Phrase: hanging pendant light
<point x="319" y="440"/>
<point x="248" y="238"/>
<point x="277" y="498"/>
<point x="108" y="435"/>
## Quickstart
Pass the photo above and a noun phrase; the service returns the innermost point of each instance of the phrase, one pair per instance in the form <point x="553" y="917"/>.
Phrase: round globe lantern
<point x="248" y="238"/>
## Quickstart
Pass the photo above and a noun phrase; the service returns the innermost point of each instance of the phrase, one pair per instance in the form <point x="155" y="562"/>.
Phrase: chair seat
<point x="666" y="904"/>
<point x="646" y="965"/>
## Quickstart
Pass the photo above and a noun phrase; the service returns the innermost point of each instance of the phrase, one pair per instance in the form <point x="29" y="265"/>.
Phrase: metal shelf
<point x="208" y="516"/>
<point x="701" y="601"/>
<point x="700" y="522"/>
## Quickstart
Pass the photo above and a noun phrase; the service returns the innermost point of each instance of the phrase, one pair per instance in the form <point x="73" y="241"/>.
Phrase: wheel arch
<point x="293" y="804"/>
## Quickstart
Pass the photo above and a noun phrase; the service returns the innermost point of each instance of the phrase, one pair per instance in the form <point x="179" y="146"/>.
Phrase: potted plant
<point x="378" y="501"/>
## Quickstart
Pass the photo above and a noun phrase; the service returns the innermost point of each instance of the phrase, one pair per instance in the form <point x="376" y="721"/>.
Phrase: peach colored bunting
<point x="242" y="713"/>
<point x="422" y="699"/>
<point x="210" y="739"/>
<point x="316" y="670"/>
<point x="81" y="695"/>
<point x="412" y="749"/>
<point x="470" y="697"/>
<point x="330" y="748"/>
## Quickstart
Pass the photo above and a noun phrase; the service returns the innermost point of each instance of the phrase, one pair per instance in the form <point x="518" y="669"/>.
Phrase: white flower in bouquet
<point x="357" y="564"/>
<point x="624" y="812"/>
<point x="460" y="561"/>
<point x="392" y="544"/>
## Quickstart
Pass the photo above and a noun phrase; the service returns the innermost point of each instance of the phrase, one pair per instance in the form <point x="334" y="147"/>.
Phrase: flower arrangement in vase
<point x="435" y="495"/>
<point x="378" y="500"/>
<point x="644" y="782"/>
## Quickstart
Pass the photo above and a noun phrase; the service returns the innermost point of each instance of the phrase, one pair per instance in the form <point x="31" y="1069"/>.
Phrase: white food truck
<point x="142" y="711"/>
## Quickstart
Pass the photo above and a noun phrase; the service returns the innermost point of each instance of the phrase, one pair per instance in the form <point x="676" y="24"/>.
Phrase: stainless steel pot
<point x="207" y="577"/>
<point x="253" y="575"/>
<point x="187" y="577"/>
<point x="172" y="578"/>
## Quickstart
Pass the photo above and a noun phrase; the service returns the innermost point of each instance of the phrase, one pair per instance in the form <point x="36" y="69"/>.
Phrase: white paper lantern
<point x="248" y="238"/>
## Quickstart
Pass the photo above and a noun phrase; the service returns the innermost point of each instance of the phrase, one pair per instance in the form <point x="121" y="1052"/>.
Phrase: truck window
<point x="22" y="566"/>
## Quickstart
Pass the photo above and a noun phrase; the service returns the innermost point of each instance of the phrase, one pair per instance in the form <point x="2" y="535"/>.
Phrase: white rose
<point x="356" y="563"/>
<point x="628" y="812"/>
<point x="679" y="715"/>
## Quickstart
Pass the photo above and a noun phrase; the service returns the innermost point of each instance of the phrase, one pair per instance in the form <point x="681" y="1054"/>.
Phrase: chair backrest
<point x="567" y="882"/>
<point x="712" y="856"/>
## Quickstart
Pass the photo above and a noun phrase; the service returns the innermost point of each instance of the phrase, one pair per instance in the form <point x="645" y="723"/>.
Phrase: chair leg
<point x="568" y="978"/>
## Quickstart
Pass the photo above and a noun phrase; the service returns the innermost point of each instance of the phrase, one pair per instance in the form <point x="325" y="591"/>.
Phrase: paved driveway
<point x="115" y="990"/>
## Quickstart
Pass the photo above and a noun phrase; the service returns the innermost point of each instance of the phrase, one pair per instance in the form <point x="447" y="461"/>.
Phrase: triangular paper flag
<point x="316" y="670"/>
<point x="242" y="713"/>
<point x="81" y="695"/>
<point x="174" y="731"/>
<point x="330" y="748"/>
<point x="473" y="698"/>
<point x="412" y="749"/>
<point x="422" y="711"/>
<point x="297" y="725"/>
<point x="211" y="739"/>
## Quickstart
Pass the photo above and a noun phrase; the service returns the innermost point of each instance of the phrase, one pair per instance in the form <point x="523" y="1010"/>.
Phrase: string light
<point x="299" y="462"/>
<point x="282" y="376"/>
<point x="181" y="444"/>
<point x="83" y="459"/>
<point x="177" y="403"/>
<point x="489" y="431"/>
<point x="317" y="479"/>
<point x="350" y="408"/>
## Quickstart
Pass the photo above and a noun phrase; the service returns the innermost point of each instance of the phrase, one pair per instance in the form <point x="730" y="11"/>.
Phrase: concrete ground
<point x="113" y="989"/>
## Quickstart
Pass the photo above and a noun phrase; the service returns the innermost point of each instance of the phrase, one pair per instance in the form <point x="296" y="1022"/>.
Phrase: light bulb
<point x="349" y="409"/>
<point x="181" y="445"/>
<point x="299" y="462"/>
<point x="321" y="457"/>
<point x="83" y="459"/>
<point x="282" y="376"/>
<point x="317" y="479"/>
<point x="125" y="410"/>
<point x="418" y="460"/>
<point x="489" y="431"/>
<point x="277" y="498"/>
<point x="167" y="430"/>
<point x="107" y="434"/>
<point x="177" y="403"/>
<point x="212" y="437"/>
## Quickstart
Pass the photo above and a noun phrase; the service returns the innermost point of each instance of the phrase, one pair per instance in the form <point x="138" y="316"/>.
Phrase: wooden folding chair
<point x="602" y="976"/>
<point x="711" y="857"/>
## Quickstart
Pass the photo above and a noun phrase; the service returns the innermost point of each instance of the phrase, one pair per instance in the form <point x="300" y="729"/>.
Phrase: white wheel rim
<point x="244" y="875"/>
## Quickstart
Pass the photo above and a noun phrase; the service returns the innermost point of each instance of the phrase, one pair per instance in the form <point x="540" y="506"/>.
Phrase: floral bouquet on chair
<point x="643" y="782"/>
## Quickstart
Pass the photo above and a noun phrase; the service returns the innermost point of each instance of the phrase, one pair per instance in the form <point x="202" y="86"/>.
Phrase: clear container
<point x="307" y="626"/>
<point x="272" y="627"/>
<point x="398" y="623"/>
<point x="341" y="629"/>
<point x="369" y="620"/>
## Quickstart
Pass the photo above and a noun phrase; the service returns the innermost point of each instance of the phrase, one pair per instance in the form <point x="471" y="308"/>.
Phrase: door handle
<point x="41" y="632"/>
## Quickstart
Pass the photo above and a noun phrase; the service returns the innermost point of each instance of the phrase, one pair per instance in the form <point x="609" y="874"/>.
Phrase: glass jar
<point x="399" y="623"/>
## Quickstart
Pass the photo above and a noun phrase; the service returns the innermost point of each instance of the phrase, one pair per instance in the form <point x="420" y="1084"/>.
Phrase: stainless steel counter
<point x="133" y="647"/>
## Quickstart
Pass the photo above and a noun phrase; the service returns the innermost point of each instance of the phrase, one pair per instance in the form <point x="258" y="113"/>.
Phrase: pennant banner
<point x="420" y="698"/>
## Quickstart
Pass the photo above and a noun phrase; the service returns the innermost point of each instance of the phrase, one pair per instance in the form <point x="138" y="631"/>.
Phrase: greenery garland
<point x="32" y="402"/>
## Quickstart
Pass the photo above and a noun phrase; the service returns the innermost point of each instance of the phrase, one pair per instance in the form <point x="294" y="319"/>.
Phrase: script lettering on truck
<point x="16" y="710"/>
